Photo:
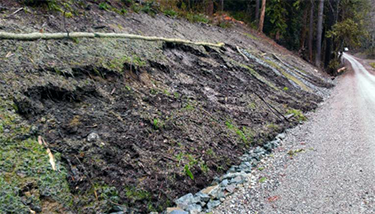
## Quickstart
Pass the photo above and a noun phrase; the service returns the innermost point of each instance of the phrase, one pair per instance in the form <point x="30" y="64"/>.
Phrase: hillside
<point x="136" y="124"/>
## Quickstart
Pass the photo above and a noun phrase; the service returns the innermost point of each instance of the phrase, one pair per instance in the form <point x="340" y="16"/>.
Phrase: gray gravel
<point x="326" y="165"/>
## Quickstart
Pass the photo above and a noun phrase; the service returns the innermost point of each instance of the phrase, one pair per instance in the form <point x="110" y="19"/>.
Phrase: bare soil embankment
<point x="135" y="124"/>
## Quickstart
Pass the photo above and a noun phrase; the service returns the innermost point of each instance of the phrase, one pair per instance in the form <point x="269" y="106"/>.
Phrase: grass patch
<point x="189" y="162"/>
<point x="210" y="153"/>
<point x="273" y="126"/>
<point x="104" y="6"/>
<point x="297" y="114"/>
<point x="262" y="180"/>
<point x="251" y="36"/>
<point x="245" y="134"/>
<point x="117" y="64"/>
<point x="170" y="13"/>
<point x="189" y="107"/>
<point x="292" y="153"/>
<point x="25" y="171"/>
<point x="158" y="124"/>
<point x="26" y="163"/>
<point x="135" y="194"/>
<point x="252" y="106"/>
<point x="372" y="64"/>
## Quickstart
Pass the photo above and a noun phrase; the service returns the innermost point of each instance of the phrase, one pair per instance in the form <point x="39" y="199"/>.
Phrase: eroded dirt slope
<point x="135" y="124"/>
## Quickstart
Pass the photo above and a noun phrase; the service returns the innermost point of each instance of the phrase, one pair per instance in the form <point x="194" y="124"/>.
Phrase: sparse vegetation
<point x="273" y="126"/>
<point x="251" y="36"/>
<point x="210" y="152"/>
<point x="197" y="18"/>
<point x="176" y="95"/>
<point x="297" y="114"/>
<point x="188" y="172"/>
<point x="117" y="64"/>
<point x="372" y="64"/>
<point x="262" y="179"/>
<point x="149" y="8"/>
<point x="104" y="6"/>
<point x="252" y="105"/>
<point x="189" y="107"/>
<point x="170" y="13"/>
<point x="150" y="104"/>
<point x="245" y="135"/>
<point x="26" y="163"/>
<point x="158" y="124"/>
<point x="189" y="162"/>
<point x="295" y="152"/>
<point x="225" y="25"/>
<point x="136" y="8"/>
<point x="135" y="194"/>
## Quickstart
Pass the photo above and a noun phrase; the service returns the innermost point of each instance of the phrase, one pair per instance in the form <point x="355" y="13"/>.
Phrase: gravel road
<point x="326" y="165"/>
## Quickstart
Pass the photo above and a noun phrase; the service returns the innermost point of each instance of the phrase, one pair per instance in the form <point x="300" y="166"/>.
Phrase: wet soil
<point x="169" y="117"/>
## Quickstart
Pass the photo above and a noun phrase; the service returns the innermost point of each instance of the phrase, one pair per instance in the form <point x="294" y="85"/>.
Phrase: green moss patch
<point x="27" y="179"/>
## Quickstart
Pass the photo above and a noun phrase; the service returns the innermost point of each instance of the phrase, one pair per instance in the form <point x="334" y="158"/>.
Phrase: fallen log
<point x="77" y="35"/>
<point x="243" y="55"/>
<point x="341" y="69"/>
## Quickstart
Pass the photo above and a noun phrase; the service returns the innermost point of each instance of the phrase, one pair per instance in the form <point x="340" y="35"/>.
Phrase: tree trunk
<point x="209" y="7"/>
<point x="248" y="9"/>
<point x="319" y="34"/>
<point x="329" y="41"/>
<point x="222" y="5"/>
<point x="257" y="9"/>
<point x="303" y="32"/>
<point x="262" y="14"/>
<point x="311" y="31"/>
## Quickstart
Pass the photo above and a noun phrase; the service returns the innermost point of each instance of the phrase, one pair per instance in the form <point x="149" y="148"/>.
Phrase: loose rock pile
<point x="212" y="196"/>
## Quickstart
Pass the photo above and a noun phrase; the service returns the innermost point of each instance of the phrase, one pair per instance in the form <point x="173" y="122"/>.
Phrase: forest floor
<point x="325" y="165"/>
<point x="132" y="124"/>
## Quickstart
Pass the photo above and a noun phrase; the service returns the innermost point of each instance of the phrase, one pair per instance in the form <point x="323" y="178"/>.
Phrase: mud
<point x="169" y="120"/>
<point x="196" y="96"/>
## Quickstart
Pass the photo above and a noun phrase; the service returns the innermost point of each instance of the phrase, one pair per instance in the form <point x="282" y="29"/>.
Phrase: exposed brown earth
<point x="169" y="117"/>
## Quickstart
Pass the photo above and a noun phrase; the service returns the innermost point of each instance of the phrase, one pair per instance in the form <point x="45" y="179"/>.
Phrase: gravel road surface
<point x="326" y="165"/>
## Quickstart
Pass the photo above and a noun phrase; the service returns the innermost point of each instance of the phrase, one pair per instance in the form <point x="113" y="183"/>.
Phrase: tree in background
<point x="311" y="30"/>
<point x="348" y="30"/>
<point x="368" y="44"/>
<point x="319" y="33"/>
<point x="257" y="4"/>
<point x="209" y="7"/>
<point x="262" y="14"/>
<point x="346" y="33"/>
<point x="221" y="5"/>
<point x="293" y="23"/>
<point x="277" y="13"/>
